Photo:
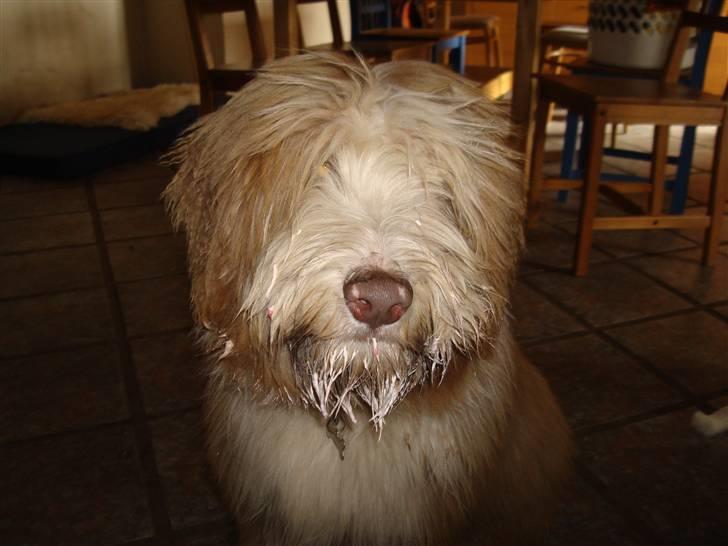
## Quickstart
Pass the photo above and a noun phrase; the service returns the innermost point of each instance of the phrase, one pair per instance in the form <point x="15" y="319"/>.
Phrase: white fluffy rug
<point x="136" y="110"/>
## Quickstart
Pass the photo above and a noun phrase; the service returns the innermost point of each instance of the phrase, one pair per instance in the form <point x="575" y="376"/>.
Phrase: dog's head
<point x="351" y="229"/>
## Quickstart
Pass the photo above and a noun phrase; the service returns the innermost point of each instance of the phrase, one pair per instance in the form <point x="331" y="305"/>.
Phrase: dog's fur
<point x="319" y="167"/>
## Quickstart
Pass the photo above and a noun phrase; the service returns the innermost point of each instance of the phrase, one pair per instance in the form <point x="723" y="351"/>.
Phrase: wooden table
<point x="527" y="45"/>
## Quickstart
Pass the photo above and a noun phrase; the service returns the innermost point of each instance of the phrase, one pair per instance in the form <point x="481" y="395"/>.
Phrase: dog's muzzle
<point x="376" y="297"/>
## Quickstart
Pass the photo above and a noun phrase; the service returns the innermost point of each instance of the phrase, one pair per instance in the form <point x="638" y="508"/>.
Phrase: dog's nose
<point x="377" y="298"/>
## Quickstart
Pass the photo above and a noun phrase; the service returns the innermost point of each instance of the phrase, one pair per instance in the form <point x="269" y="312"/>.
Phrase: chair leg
<point x="657" y="168"/>
<point x="536" y="169"/>
<point x="590" y="192"/>
<point x="685" y="163"/>
<point x="496" y="47"/>
<point x="207" y="97"/>
<point x="567" y="154"/>
<point x="716" y="202"/>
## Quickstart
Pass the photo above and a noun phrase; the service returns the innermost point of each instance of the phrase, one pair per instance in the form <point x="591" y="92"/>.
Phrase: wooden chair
<point x="372" y="20"/>
<point x="693" y="76"/>
<point x="664" y="102"/>
<point x="485" y="30"/>
<point x="216" y="78"/>
<point x="374" y="51"/>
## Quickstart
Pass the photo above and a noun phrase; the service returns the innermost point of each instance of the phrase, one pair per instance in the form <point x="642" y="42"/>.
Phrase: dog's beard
<point x="338" y="378"/>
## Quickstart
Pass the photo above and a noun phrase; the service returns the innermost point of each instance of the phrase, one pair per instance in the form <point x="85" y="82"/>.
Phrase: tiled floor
<point x="100" y="436"/>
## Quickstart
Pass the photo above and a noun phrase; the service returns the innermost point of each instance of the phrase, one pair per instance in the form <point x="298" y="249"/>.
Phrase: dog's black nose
<point x="375" y="297"/>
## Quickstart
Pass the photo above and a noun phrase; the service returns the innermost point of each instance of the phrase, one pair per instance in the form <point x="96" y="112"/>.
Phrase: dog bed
<point x="80" y="138"/>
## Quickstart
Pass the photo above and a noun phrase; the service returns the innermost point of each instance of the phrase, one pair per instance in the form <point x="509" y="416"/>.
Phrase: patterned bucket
<point x="628" y="33"/>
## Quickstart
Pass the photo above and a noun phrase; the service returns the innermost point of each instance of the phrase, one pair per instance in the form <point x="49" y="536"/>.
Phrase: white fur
<point x="320" y="168"/>
<point x="712" y="424"/>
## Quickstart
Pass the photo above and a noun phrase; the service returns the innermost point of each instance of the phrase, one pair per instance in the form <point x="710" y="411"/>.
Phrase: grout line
<point x="590" y="430"/>
<point x="642" y="362"/>
<point x="73" y="431"/>
<point x="155" y="493"/>
<point x="100" y="426"/>
<point x="89" y="287"/>
<point x="56" y="350"/>
<point x="50" y="293"/>
<point x="92" y="344"/>
<point x="78" y="211"/>
<point x="91" y="244"/>
<point x="160" y="333"/>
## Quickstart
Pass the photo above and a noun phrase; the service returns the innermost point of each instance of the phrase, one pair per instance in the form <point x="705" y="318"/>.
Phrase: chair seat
<point x="584" y="91"/>
<point x="495" y="82"/>
<point x="473" y="21"/>
<point x="381" y="50"/>
<point x="412" y="33"/>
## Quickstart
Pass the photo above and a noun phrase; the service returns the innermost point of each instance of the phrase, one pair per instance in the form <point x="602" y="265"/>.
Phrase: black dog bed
<point x="50" y="150"/>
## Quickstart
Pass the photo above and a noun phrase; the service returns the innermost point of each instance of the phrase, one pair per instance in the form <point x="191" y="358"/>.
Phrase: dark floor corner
<point x="100" y="433"/>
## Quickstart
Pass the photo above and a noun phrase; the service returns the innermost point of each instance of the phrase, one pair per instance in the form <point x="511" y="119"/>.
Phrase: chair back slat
<point x="706" y="22"/>
<point x="334" y="19"/>
<point x="196" y="9"/>
<point x="369" y="14"/>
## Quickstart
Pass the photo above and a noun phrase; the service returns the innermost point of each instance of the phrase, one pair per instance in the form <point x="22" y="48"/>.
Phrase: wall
<point x="56" y="50"/>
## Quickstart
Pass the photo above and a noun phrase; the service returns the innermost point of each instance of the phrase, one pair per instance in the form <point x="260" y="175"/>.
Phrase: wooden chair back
<point x="196" y="9"/>
<point x="706" y="22"/>
<point x="369" y="14"/>
<point x="334" y="19"/>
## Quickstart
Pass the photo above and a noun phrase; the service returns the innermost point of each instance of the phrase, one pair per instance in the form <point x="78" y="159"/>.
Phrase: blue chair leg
<point x="567" y="154"/>
<point x="685" y="163"/>
<point x="456" y="47"/>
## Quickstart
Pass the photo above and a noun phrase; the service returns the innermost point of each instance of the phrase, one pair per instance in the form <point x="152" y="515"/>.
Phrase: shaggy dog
<point x="353" y="235"/>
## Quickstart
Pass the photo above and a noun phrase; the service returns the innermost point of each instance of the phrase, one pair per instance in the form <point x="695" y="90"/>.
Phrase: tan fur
<point x="319" y="167"/>
<point x="135" y="110"/>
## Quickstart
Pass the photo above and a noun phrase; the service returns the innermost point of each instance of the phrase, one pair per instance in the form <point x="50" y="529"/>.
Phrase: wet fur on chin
<point x="320" y="167"/>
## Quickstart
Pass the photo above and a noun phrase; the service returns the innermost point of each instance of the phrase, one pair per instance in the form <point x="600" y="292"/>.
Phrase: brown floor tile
<point x="179" y="445"/>
<point x="148" y="168"/>
<point x="535" y="318"/>
<point x="61" y="391"/>
<point x="44" y="323"/>
<point x="149" y="257"/>
<point x="14" y="184"/>
<point x="132" y="222"/>
<point x="46" y="232"/>
<point x="130" y="193"/>
<point x="692" y="348"/>
<point x="548" y="247"/>
<point x="84" y="488"/>
<point x="157" y="305"/>
<point x="41" y="203"/>
<point x="223" y="535"/>
<point x="48" y="271"/>
<point x="698" y="235"/>
<point x="596" y="383"/>
<point x="585" y="519"/>
<point x="554" y="211"/>
<point x="670" y="475"/>
<point x="683" y="271"/>
<point x="611" y="293"/>
<point x="171" y="371"/>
